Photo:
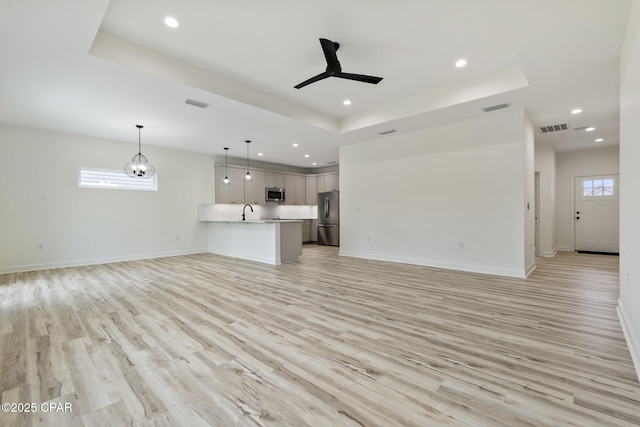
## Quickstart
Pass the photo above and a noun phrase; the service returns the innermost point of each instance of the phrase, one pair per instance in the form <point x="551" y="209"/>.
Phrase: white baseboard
<point x="550" y="254"/>
<point x="530" y="268"/>
<point x="438" y="264"/>
<point x="564" y="249"/>
<point x="631" y="336"/>
<point x="95" y="261"/>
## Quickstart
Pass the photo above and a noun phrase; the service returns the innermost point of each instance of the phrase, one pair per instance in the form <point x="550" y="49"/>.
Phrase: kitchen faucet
<point x="245" y="206"/>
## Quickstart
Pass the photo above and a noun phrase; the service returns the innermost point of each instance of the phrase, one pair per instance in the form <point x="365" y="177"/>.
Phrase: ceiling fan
<point x="334" y="69"/>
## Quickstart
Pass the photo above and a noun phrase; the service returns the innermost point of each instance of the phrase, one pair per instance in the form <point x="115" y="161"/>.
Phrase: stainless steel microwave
<point x="274" y="194"/>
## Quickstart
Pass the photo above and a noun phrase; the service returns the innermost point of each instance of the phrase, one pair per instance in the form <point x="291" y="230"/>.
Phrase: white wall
<point x="40" y="202"/>
<point x="629" y="304"/>
<point x="546" y="165"/>
<point x="415" y="197"/>
<point x="529" y="197"/>
<point x="572" y="164"/>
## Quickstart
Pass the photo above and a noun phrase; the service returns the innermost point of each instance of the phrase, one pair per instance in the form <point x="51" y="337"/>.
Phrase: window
<point x="597" y="187"/>
<point x="114" y="180"/>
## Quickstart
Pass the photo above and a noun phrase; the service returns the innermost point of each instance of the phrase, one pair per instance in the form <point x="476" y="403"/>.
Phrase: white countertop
<point x="210" y="212"/>
<point x="255" y="221"/>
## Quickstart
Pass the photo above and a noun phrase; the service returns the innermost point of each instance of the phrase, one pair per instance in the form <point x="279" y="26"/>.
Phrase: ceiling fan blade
<point x="334" y="68"/>
<point x="359" y="77"/>
<point x="314" y="79"/>
<point x="329" y="48"/>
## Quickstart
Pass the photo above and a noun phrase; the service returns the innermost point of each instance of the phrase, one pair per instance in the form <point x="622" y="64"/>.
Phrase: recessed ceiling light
<point x="306" y="155"/>
<point x="295" y="144"/>
<point x="599" y="140"/>
<point x="260" y="154"/>
<point x="576" y="111"/>
<point x="346" y="102"/>
<point x="461" y="63"/>
<point x="590" y="129"/>
<point x="313" y="164"/>
<point x="172" y="22"/>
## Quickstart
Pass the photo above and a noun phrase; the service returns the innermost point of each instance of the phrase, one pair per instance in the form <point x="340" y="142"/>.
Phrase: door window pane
<point x="598" y="187"/>
<point x="608" y="187"/>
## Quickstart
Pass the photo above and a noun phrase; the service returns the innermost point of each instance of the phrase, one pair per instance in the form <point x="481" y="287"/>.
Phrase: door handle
<point x="326" y="207"/>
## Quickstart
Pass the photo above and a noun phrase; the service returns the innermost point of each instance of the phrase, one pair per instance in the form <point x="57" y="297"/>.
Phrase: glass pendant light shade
<point x="139" y="166"/>
<point x="226" y="181"/>
<point x="247" y="177"/>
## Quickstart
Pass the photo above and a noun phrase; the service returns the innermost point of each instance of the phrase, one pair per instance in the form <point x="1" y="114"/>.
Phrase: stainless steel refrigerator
<point x="329" y="218"/>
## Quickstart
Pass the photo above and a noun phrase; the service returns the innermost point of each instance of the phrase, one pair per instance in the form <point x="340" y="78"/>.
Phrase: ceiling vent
<point x="496" y="107"/>
<point x="195" y="103"/>
<point x="332" y="162"/>
<point x="386" y="132"/>
<point x="554" y="128"/>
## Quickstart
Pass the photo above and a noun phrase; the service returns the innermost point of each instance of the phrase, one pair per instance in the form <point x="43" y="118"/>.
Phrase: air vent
<point x="333" y="162"/>
<point x="554" y="128"/>
<point x="195" y="103"/>
<point x="386" y="132"/>
<point x="582" y="128"/>
<point x="496" y="107"/>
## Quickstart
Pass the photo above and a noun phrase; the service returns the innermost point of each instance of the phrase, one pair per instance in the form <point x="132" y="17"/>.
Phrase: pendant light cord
<point x="226" y="165"/>
<point x="139" y="144"/>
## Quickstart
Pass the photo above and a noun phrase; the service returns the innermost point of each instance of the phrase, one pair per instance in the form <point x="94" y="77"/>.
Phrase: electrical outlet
<point x="368" y="239"/>
<point x="177" y="237"/>
<point x="461" y="245"/>
<point x="40" y="246"/>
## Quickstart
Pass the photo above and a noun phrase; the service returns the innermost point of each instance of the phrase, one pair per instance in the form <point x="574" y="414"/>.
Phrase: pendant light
<point x="247" y="177"/>
<point x="226" y="180"/>
<point x="139" y="166"/>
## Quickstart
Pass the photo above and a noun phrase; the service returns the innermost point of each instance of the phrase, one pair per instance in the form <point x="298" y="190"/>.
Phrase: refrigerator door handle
<point x="326" y="207"/>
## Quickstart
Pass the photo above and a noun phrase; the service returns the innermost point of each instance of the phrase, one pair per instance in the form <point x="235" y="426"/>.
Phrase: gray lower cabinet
<point x="306" y="230"/>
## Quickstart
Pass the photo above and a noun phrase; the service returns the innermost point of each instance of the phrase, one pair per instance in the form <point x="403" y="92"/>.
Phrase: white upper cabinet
<point x="329" y="182"/>
<point x="254" y="190"/>
<point x="274" y="179"/>
<point x="311" y="190"/>
<point x="233" y="193"/>
<point x="295" y="189"/>
<point x="299" y="189"/>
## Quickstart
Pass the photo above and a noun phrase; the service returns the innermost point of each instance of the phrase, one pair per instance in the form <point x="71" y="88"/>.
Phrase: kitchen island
<point x="268" y="241"/>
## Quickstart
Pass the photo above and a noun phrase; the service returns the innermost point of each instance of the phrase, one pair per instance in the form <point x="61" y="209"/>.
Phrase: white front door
<point x="596" y="215"/>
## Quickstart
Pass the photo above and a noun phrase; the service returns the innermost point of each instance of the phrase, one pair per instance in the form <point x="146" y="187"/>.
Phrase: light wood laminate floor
<point x="205" y="340"/>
